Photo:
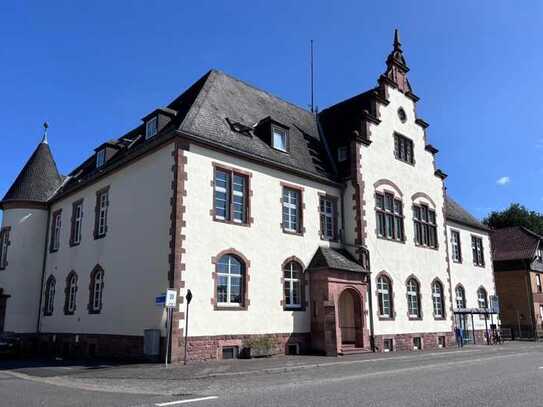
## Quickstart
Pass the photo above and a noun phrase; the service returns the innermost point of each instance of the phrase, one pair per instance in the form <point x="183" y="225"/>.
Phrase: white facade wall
<point x="134" y="253"/>
<point x="21" y="278"/>
<point x="263" y="243"/>
<point x="471" y="277"/>
<point x="382" y="171"/>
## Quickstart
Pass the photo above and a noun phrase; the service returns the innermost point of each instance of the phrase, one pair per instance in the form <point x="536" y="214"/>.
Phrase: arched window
<point x="384" y="297"/>
<point x="230" y="281"/>
<point x="460" y="297"/>
<point x="49" y="295"/>
<point x="71" y="293"/>
<point x="482" y="299"/>
<point x="96" y="289"/>
<point x="437" y="299"/>
<point x="293" y="280"/>
<point x="413" y="298"/>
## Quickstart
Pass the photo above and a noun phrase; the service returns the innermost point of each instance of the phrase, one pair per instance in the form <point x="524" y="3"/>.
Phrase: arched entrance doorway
<point x="350" y="321"/>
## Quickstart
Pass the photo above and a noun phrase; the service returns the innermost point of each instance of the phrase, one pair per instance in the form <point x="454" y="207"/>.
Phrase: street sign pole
<point x="171" y="303"/>
<point x="188" y="297"/>
<point x="168" y="331"/>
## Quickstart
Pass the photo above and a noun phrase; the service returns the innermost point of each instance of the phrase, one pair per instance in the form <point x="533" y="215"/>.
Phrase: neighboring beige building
<point x="325" y="232"/>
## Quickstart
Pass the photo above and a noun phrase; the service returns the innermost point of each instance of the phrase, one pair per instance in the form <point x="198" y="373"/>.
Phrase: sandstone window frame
<point x="76" y="230"/>
<point x="292" y="209"/>
<point x="56" y="229"/>
<point x="4" y="246"/>
<point x="243" y="306"/>
<point x="231" y="207"/>
<point x="70" y="301"/>
<point x="478" y="251"/>
<point x="460" y="296"/>
<point x="385" y="297"/>
<point x="390" y="216"/>
<point x="425" y="226"/>
<point x="438" y="299"/>
<point x="289" y="285"/>
<point x="101" y="211"/>
<point x="96" y="290"/>
<point x="413" y="295"/>
<point x="328" y="215"/>
<point x="482" y="300"/>
<point x="50" y="287"/>
<point x="456" y="246"/>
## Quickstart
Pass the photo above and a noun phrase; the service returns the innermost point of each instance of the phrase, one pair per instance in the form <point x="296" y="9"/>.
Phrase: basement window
<point x="440" y="341"/>
<point x="293" y="349"/>
<point x="230" y="352"/>
<point x="388" y="345"/>
<point x="417" y="343"/>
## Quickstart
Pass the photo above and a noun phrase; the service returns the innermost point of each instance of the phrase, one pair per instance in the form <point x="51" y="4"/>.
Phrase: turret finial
<point x="397" y="43"/>
<point x="45" y="127"/>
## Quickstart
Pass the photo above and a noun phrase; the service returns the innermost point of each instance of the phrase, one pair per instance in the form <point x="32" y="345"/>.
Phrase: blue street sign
<point x="161" y="299"/>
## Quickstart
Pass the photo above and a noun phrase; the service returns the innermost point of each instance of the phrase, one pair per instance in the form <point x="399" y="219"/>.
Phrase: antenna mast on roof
<point x="312" y="81"/>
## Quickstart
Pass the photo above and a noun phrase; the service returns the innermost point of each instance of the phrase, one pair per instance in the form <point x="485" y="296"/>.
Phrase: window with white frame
<point x="389" y="210"/>
<point x="437" y="299"/>
<point x="460" y="297"/>
<point x="49" y="296"/>
<point x="71" y="293"/>
<point x="478" y="252"/>
<point x="328" y="216"/>
<point x="55" y="231"/>
<point x="102" y="205"/>
<point x="4" y="244"/>
<point x="151" y="128"/>
<point x="538" y="283"/>
<point x="100" y="158"/>
<point x="424" y="220"/>
<point x="293" y="280"/>
<point x="384" y="296"/>
<point x="292" y="221"/>
<point x="279" y="139"/>
<point x="539" y="254"/>
<point x="413" y="298"/>
<point x="455" y="245"/>
<point x="230" y="281"/>
<point x="231" y="202"/>
<point x="77" y="223"/>
<point x="482" y="298"/>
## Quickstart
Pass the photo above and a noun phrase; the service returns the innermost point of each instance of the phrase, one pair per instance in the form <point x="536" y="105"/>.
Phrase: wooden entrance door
<point x="347" y="317"/>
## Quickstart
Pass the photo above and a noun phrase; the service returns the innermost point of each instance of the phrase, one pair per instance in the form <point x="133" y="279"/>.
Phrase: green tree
<point x="515" y="215"/>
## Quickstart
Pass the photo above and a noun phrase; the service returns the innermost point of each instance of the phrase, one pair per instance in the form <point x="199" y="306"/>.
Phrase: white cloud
<point x="503" y="181"/>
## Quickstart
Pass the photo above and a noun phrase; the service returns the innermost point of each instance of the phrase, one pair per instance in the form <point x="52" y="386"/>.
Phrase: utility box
<point x="151" y="343"/>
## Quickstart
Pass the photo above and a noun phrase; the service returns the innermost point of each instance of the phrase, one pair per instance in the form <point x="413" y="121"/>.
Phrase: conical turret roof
<point x="38" y="180"/>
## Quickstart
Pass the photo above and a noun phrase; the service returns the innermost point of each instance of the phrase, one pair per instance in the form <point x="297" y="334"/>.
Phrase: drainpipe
<point x="370" y="306"/>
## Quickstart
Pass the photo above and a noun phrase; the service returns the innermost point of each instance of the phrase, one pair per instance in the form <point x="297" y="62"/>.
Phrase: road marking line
<point x="173" y="403"/>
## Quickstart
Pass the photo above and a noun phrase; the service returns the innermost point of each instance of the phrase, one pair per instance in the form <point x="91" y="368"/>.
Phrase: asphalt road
<point x="510" y="375"/>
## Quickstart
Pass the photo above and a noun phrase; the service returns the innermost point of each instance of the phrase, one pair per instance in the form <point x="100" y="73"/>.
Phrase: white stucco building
<point x="327" y="232"/>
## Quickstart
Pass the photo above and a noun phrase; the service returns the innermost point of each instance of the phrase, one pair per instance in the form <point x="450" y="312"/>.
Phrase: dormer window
<point x="342" y="154"/>
<point x="279" y="139"/>
<point x="151" y="128"/>
<point x="100" y="158"/>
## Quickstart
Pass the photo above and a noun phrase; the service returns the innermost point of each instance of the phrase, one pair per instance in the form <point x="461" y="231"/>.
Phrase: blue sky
<point x="93" y="69"/>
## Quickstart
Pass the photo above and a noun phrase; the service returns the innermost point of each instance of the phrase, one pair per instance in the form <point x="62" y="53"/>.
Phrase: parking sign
<point x="171" y="298"/>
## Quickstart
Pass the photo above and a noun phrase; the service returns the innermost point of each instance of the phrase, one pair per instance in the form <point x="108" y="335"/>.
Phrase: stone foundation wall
<point x="202" y="348"/>
<point x="404" y="342"/>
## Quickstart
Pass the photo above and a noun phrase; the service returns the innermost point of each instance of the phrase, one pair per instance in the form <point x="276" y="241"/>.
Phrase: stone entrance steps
<point x="351" y="349"/>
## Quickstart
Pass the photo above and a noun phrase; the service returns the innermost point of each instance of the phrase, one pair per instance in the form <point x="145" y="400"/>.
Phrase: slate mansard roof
<point x="456" y="213"/>
<point x="514" y="243"/>
<point x="38" y="180"/>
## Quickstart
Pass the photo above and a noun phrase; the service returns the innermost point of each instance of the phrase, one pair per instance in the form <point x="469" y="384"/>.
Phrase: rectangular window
<point x="231" y="196"/>
<point x="342" y="154"/>
<point x="4" y="244"/>
<point x="328" y="217"/>
<point x="478" y="253"/>
<point x="417" y="343"/>
<point x="292" y="221"/>
<point x="403" y="149"/>
<point x="102" y="204"/>
<point x="456" y="249"/>
<point x="389" y="212"/>
<point x="151" y="128"/>
<point x="55" y="231"/>
<point x="77" y="223"/>
<point x="100" y="158"/>
<point x="424" y="220"/>
<point x="441" y="342"/>
<point x="539" y="255"/>
<point x="279" y="139"/>
<point x="538" y="283"/>
<point x="388" y="345"/>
